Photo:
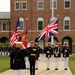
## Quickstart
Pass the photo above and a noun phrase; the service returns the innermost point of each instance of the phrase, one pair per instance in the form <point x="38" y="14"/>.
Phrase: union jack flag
<point x="16" y="34"/>
<point x="50" y="30"/>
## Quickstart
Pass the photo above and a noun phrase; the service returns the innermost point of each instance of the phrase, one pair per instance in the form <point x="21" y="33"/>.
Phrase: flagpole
<point x="52" y="37"/>
<point x="26" y="23"/>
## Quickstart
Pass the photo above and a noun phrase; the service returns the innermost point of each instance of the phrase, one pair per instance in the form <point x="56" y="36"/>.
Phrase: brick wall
<point x="33" y="14"/>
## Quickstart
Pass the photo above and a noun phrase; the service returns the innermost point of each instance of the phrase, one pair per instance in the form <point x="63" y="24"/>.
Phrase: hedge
<point x="5" y="44"/>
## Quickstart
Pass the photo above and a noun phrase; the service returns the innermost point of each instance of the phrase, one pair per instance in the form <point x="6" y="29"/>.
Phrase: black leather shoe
<point x="65" y="69"/>
<point x="48" y="69"/>
<point x="56" y="68"/>
<point x="36" y="68"/>
<point x="27" y="68"/>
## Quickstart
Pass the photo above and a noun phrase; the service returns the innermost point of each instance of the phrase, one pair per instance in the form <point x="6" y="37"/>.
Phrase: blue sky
<point x="4" y="5"/>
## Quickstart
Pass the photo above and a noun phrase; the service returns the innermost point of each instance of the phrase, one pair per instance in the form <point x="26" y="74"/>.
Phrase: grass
<point x="72" y="64"/>
<point x="4" y="63"/>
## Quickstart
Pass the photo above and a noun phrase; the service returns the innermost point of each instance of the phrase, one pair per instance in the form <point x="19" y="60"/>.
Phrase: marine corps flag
<point x="24" y="36"/>
<point x="16" y="34"/>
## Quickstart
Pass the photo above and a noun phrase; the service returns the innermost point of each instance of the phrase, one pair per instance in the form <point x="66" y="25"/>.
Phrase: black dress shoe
<point x="27" y="68"/>
<point x="48" y="69"/>
<point x="56" y="68"/>
<point x="65" y="69"/>
<point x="36" y="68"/>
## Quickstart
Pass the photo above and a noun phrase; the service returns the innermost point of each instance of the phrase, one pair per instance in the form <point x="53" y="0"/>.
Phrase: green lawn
<point x="72" y="64"/>
<point x="4" y="63"/>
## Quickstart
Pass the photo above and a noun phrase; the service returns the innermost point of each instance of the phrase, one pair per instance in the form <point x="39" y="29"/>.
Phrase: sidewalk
<point x="42" y="69"/>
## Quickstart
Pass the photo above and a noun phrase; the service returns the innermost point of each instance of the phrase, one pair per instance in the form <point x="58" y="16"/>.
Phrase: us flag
<point x="50" y="30"/>
<point x="16" y="33"/>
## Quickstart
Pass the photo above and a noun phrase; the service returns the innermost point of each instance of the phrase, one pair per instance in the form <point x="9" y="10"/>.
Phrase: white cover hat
<point x="18" y="42"/>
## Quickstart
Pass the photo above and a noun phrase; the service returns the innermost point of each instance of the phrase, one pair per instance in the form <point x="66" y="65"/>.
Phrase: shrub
<point x="5" y="44"/>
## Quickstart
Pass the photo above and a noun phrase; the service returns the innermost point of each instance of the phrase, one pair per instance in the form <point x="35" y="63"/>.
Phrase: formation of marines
<point x="33" y="53"/>
<point x="57" y="52"/>
<point x="5" y="50"/>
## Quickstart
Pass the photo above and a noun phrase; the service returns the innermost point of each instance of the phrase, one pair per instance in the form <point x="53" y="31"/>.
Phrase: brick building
<point x="39" y="14"/>
<point x="4" y="26"/>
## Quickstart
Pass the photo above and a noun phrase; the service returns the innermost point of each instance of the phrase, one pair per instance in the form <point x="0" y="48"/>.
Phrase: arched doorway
<point x="55" y="40"/>
<point x="69" y="41"/>
<point x="4" y="39"/>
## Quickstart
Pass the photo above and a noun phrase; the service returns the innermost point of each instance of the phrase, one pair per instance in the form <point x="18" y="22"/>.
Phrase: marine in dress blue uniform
<point x="33" y="57"/>
<point x="57" y="55"/>
<point x="0" y="50"/>
<point x="39" y="55"/>
<point x="27" y="60"/>
<point x="65" y="52"/>
<point x="48" y="53"/>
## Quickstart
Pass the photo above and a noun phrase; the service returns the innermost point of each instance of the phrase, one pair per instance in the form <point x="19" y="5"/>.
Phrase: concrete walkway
<point x="42" y="69"/>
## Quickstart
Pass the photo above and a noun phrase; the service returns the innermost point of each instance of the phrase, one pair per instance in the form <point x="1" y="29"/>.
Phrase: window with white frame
<point x="4" y="26"/>
<point x="40" y="23"/>
<point x="24" y="5"/>
<point x="40" y="5"/>
<point x="54" y="4"/>
<point x="17" y="5"/>
<point x="66" y="23"/>
<point x="21" y="24"/>
<point x="67" y="4"/>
